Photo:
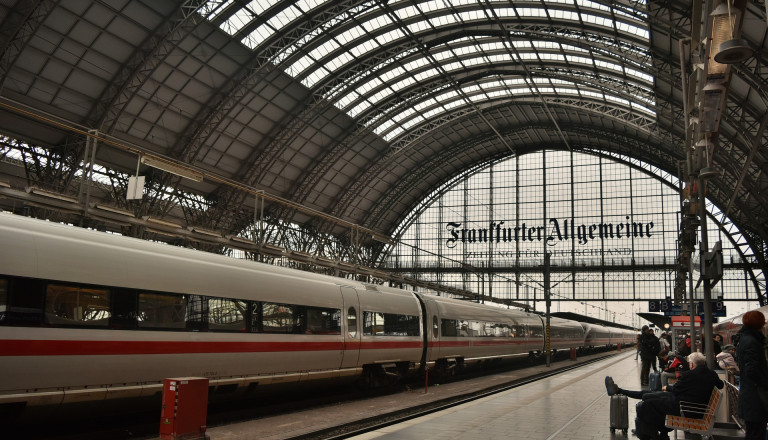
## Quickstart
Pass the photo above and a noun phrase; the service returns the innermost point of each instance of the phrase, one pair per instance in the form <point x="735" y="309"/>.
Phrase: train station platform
<point x="579" y="388"/>
<point x="572" y="405"/>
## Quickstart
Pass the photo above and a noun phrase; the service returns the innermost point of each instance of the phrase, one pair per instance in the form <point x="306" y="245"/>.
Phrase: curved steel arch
<point x="387" y="160"/>
<point x="629" y="144"/>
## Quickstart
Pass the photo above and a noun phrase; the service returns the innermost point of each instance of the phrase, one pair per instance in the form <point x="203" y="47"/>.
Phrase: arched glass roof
<point x="385" y="37"/>
<point x="337" y="117"/>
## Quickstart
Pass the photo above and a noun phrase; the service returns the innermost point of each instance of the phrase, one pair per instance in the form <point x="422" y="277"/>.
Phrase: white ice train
<point x="89" y="316"/>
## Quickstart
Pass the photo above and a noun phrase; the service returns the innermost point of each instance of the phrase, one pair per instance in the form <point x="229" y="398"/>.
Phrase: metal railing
<point x="732" y="399"/>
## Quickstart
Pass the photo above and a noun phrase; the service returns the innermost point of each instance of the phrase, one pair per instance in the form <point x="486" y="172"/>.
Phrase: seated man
<point x="693" y="386"/>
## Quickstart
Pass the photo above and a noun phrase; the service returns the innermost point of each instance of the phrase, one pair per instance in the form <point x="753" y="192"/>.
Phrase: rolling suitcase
<point x="619" y="413"/>
<point x="654" y="381"/>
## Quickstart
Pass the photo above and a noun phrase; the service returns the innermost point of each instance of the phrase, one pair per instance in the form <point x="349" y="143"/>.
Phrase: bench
<point x="703" y="425"/>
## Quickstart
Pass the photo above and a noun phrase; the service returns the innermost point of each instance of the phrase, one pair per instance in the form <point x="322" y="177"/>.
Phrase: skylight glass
<point x="405" y="76"/>
<point x="480" y="93"/>
<point x="364" y="89"/>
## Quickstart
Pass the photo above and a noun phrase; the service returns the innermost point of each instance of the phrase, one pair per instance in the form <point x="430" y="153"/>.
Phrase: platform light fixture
<point x="158" y="221"/>
<point x="712" y="100"/>
<point x="50" y="195"/>
<point x="725" y="49"/>
<point x="170" y="167"/>
<point x="112" y="209"/>
<point x="207" y="232"/>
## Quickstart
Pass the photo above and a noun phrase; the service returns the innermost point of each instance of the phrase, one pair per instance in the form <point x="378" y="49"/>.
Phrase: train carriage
<point x="463" y="332"/>
<point x="91" y="316"/>
<point x="598" y="336"/>
<point x="565" y="334"/>
<point x="391" y="339"/>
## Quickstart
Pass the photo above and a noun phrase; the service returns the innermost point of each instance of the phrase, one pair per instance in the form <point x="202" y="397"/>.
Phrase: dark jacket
<point x="684" y="347"/>
<point x="649" y="346"/>
<point x="750" y="354"/>
<point x="695" y="385"/>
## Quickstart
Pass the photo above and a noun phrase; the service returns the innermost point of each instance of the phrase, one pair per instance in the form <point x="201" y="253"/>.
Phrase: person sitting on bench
<point x="694" y="386"/>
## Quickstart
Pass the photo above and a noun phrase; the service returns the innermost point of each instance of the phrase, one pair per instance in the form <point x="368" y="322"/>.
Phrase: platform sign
<point x="718" y="309"/>
<point x="674" y="311"/>
<point x="664" y="306"/>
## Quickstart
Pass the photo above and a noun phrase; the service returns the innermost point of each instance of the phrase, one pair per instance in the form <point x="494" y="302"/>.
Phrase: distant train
<point x="90" y="316"/>
<point x="729" y="327"/>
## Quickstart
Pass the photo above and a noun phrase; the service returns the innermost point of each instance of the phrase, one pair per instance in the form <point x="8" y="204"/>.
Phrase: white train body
<point x="86" y="315"/>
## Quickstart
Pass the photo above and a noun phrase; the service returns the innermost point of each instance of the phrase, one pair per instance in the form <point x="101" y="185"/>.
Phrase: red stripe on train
<point x="91" y="348"/>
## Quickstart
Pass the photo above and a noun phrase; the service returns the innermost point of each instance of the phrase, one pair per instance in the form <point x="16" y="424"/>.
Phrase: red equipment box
<point x="185" y="408"/>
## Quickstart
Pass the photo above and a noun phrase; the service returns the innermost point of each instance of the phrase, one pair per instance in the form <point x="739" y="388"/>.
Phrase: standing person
<point x="684" y="346"/>
<point x="753" y="367"/>
<point x="665" y="347"/>
<point x="649" y="349"/>
<point x="717" y="346"/>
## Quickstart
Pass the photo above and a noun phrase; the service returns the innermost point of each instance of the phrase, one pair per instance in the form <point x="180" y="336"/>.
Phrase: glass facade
<point x="611" y="231"/>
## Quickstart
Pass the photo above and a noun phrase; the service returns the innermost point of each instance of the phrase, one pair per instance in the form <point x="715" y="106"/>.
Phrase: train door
<point x="352" y="332"/>
<point x="430" y="329"/>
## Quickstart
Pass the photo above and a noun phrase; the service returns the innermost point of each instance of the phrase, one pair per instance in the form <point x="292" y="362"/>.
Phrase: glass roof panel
<point x="379" y="21"/>
<point x="285" y="17"/>
<point x="237" y="21"/>
<point x="255" y="38"/>
<point x="216" y="7"/>
<point x="414" y="66"/>
<point x="480" y="93"/>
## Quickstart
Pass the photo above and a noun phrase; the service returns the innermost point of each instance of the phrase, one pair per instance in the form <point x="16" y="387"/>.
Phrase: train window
<point x="352" y="322"/>
<point x="124" y="304"/>
<point x="497" y="330"/>
<point x="3" y="300"/>
<point x="197" y="313"/>
<point x="435" y="326"/>
<point x="390" y="324"/>
<point x="159" y="310"/>
<point x="75" y="305"/>
<point x="477" y="328"/>
<point x="279" y="318"/>
<point x="26" y="301"/>
<point x="320" y="321"/>
<point x="226" y="314"/>
<point x="464" y="328"/>
<point x="450" y="327"/>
